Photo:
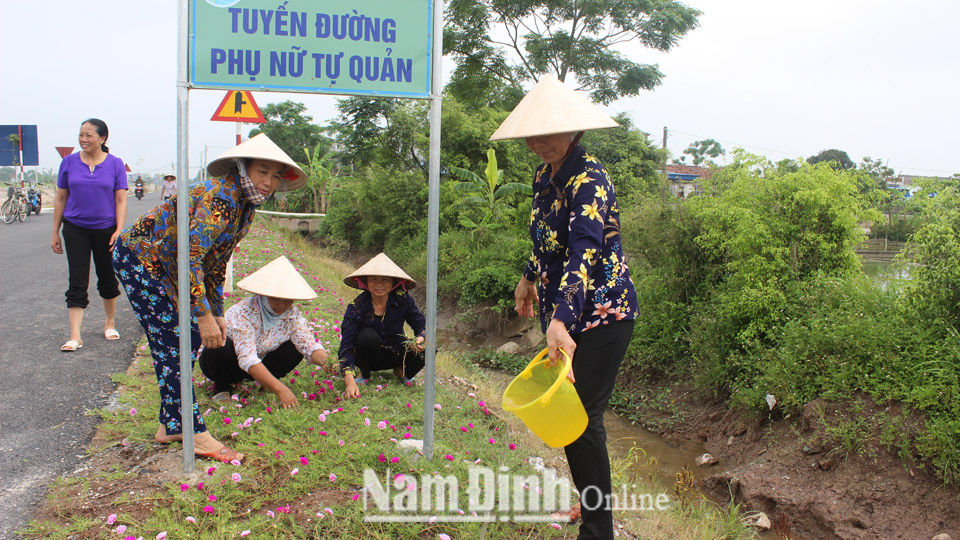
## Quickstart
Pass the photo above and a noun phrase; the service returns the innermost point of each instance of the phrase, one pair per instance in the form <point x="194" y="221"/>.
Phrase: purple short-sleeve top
<point x="92" y="202"/>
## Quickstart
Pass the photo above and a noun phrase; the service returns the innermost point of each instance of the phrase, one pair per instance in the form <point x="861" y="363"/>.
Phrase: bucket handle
<point x="541" y="359"/>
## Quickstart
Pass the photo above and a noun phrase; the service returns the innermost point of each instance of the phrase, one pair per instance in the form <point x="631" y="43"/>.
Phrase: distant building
<point x="685" y="179"/>
<point x="908" y="184"/>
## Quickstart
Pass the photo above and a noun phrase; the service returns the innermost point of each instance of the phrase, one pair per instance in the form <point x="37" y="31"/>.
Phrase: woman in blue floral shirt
<point x="577" y="272"/>
<point x="221" y="210"/>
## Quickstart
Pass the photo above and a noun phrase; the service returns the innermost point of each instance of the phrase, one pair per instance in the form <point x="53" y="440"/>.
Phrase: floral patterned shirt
<point x="219" y="219"/>
<point x="360" y="314"/>
<point x="245" y="328"/>
<point x="577" y="255"/>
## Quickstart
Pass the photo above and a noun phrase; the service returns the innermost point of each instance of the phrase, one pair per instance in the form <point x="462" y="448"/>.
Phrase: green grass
<point x="304" y="472"/>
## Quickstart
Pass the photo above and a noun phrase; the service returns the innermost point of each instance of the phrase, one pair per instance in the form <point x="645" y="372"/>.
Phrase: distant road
<point x="44" y="393"/>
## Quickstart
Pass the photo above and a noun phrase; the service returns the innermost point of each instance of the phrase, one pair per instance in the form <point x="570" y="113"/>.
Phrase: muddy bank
<point x="810" y="484"/>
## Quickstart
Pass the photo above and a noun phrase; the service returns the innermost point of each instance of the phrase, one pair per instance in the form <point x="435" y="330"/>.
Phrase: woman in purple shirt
<point x="91" y="207"/>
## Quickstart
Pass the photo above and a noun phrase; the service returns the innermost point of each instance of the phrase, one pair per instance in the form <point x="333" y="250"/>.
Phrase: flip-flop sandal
<point x="71" y="345"/>
<point x="111" y="334"/>
<point x="224" y="454"/>
<point x="567" y="516"/>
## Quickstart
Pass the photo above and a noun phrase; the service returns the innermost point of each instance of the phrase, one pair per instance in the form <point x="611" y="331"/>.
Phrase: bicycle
<point x="15" y="207"/>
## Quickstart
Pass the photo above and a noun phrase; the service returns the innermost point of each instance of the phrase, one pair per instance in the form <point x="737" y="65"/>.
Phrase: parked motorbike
<point x="139" y="192"/>
<point x="34" y="201"/>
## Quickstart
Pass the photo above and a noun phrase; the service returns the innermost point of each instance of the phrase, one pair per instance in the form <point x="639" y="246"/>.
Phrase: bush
<point x="489" y="282"/>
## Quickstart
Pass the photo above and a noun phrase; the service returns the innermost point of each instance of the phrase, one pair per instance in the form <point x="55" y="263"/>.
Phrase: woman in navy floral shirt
<point x="221" y="210"/>
<point x="577" y="273"/>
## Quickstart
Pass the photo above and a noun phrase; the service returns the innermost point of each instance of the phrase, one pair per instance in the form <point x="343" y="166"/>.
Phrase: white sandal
<point x="71" y="345"/>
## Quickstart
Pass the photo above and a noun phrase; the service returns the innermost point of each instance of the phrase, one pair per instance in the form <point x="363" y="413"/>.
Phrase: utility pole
<point x="666" y="179"/>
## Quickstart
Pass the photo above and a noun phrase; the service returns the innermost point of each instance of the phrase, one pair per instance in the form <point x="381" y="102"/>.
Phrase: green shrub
<point x="489" y="282"/>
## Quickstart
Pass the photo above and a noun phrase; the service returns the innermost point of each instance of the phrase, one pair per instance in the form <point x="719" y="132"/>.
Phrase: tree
<point x="564" y="37"/>
<point x="290" y="128"/>
<point x="486" y="191"/>
<point x="631" y="159"/>
<point x="700" y="151"/>
<point x="389" y="132"/>
<point x="321" y="171"/>
<point x="841" y="161"/>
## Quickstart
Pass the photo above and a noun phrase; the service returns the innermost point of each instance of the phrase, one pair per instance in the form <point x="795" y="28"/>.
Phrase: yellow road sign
<point x="239" y="106"/>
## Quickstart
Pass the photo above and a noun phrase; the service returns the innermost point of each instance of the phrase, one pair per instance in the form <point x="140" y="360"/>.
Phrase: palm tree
<point x="485" y="191"/>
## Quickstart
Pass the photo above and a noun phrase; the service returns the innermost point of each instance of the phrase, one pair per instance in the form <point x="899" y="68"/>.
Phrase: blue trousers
<point x="160" y="321"/>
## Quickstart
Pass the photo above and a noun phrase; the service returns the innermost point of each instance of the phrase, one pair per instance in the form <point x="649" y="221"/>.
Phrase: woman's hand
<point x="418" y="344"/>
<point x="559" y="338"/>
<point x="113" y="238"/>
<point x="319" y="358"/>
<point x="287" y="399"/>
<point x="212" y="330"/>
<point x="56" y="244"/>
<point x="352" y="391"/>
<point x="524" y="296"/>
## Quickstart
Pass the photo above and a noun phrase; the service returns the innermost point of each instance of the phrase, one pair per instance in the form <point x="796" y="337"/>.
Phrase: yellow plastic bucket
<point x="546" y="401"/>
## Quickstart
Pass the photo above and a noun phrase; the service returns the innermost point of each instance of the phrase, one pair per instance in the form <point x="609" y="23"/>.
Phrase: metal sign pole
<point x="183" y="241"/>
<point x="433" y="229"/>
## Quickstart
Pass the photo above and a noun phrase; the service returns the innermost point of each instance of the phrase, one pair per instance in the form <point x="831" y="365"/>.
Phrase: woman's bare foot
<point x="163" y="438"/>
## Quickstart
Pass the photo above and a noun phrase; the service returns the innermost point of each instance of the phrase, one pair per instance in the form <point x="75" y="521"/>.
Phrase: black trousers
<point x="372" y="356"/>
<point x="595" y="365"/>
<point x="222" y="367"/>
<point x="79" y="243"/>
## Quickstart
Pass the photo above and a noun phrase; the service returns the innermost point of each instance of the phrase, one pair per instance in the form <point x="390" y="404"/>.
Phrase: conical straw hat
<point x="550" y="107"/>
<point x="259" y="147"/>
<point x="278" y="279"/>
<point x="381" y="265"/>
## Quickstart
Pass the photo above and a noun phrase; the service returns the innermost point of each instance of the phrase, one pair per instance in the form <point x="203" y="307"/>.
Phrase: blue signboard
<point x="10" y="146"/>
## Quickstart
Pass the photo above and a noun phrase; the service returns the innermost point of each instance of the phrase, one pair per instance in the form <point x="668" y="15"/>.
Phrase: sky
<point x="877" y="78"/>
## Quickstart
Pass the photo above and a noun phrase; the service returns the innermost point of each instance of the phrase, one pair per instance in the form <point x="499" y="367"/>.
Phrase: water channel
<point x="663" y="459"/>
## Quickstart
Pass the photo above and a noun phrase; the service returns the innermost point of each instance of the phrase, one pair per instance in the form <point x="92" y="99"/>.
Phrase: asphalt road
<point x="45" y="394"/>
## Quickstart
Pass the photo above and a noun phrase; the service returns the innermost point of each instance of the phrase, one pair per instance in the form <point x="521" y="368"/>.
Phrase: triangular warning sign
<point x="64" y="151"/>
<point x="239" y="106"/>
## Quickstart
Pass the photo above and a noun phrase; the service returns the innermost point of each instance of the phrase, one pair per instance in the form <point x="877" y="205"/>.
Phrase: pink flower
<point x="235" y="462"/>
<point x="513" y="446"/>
<point x="394" y="460"/>
<point x="382" y="458"/>
<point x="133" y="411"/>
<point x="162" y="535"/>
<point x="493" y="441"/>
<point x="227" y="420"/>
<point x="184" y="487"/>
<point x="323" y="417"/>
<point x="269" y="410"/>
<point x="472" y="395"/>
<point x="355" y="496"/>
<point x="270" y="513"/>
<point x="212" y="498"/>
<point x="322" y="433"/>
<point x="329" y="511"/>
<point x="366" y="421"/>
<point x="245" y="533"/>
<point x="382" y="425"/>
<point x="191" y="519"/>
<point x="111" y="519"/>
<point x="407" y="435"/>
<point x="235" y="477"/>
<point x="481" y="404"/>
<point x="448" y="457"/>
<point x="200" y="486"/>
<point x="463" y="429"/>
<point x="333" y="478"/>
<point x="121" y="529"/>
<point x="443" y="536"/>
<point x="556" y="526"/>
<point x="294" y="471"/>
<point x="304" y="461"/>
<point x="437" y="407"/>
<point x="341" y="443"/>
<point x="278" y="454"/>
